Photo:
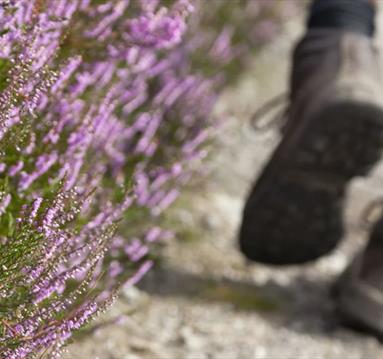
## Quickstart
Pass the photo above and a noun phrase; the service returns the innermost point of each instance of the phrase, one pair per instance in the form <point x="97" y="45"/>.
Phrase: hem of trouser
<point x="349" y="15"/>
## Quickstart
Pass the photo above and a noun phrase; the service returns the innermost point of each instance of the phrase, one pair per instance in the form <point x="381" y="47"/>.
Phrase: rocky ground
<point x="203" y="300"/>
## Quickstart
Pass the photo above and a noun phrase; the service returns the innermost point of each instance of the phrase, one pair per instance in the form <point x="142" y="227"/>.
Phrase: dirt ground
<point x="203" y="300"/>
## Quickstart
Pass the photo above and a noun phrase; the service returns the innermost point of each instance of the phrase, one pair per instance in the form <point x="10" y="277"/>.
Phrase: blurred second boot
<point x="359" y="291"/>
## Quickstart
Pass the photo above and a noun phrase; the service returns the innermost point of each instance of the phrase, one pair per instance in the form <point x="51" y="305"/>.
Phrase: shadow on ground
<point x="302" y="300"/>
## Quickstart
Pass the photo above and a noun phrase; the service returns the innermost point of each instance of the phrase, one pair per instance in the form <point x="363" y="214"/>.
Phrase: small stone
<point x="209" y="222"/>
<point x="134" y="297"/>
<point x="191" y="340"/>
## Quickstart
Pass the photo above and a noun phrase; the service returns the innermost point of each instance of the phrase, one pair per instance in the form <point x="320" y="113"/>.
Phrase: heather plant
<point x="63" y="171"/>
<point x="104" y="108"/>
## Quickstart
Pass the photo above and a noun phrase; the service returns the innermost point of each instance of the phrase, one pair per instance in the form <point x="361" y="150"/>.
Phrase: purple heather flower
<point x="4" y="202"/>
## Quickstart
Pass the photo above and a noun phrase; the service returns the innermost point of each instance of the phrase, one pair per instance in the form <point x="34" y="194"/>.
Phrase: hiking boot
<point x="333" y="132"/>
<point x="359" y="291"/>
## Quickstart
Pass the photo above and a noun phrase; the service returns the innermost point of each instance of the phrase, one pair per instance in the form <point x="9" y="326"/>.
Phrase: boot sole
<point x="360" y="307"/>
<point x="294" y="212"/>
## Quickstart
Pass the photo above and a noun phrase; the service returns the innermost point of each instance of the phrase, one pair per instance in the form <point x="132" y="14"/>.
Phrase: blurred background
<point x="202" y="300"/>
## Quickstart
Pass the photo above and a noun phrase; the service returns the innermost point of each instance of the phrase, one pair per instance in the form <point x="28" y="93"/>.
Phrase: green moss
<point x="242" y="298"/>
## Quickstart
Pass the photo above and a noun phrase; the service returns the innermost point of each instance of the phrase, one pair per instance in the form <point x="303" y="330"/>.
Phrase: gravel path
<point x="203" y="300"/>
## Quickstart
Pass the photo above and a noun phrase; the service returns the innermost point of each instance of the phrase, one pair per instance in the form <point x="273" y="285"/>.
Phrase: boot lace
<point x="271" y="114"/>
<point x="372" y="213"/>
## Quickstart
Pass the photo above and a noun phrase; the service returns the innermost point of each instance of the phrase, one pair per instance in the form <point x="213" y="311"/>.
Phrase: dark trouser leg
<point x="351" y="15"/>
